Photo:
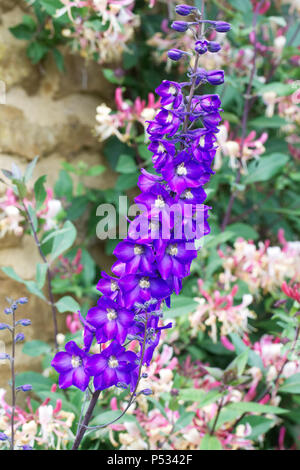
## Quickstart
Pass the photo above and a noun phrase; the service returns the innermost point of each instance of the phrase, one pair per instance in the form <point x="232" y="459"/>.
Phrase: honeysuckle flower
<point x="111" y="366"/>
<point x="71" y="365"/>
<point x="110" y="320"/>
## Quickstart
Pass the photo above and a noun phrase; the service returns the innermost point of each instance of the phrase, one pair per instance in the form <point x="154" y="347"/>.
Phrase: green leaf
<point x="41" y="271"/>
<point x="259" y="425"/>
<point x="64" y="186"/>
<point x="63" y="242"/>
<point x="40" y="192"/>
<point x="111" y="77"/>
<point x="51" y="6"/>
<point x="281" y="89"/>
<point x="243" y="230"/>
<point x="126" y="165"/>
<point x="33" y="216"/>
<point x="29" y="170"/>
<point x="10" y="272"/>
<point x="108" y="416"/>
<point x="36" y="348"/>
<point x="266" y="168"/>
<point x="253" y="358"/>
<point x="22" y="31"/>
<point x="59" y="59"/>
<point x="250" y="407"/>
<point x="30" y="285"/>
<point x="125" y="181"/>
<point x="210" y="443"/>
<point x="184" y="420"/>
<point x="180" y="306"/>
<point x="240" y="362"/>
<point x="210" y="241"/>
<point x="36" y="51"/>
<point x="274" y="122"/>
<point x="291" y="385"/>
<point x="67" y="304"/>
<point x="95" y="170"/>
<point x="200" y="396"/>
<point x="38" y="381"/>
<point x="244" y="6"/>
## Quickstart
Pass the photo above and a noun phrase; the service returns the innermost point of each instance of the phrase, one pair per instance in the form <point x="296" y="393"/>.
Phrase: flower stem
<point x="84" y="426"/>
<point x="49" y="275"/>
<point x="13" y="382"/>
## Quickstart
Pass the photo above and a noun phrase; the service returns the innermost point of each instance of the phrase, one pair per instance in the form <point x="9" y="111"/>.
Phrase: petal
<point x="124" y="251"/>
<point x="80" y="378"/>
<point x="97" y="316"/>
<point x="66" y="379"/>
<point x="110" y="377"/>
<point x="62" y="362"/>
<point x="96" y="364"/>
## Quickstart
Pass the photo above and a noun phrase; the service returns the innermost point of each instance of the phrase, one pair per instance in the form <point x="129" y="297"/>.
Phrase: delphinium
<point x="157" y="253"/>
<point x="16" y="338"/>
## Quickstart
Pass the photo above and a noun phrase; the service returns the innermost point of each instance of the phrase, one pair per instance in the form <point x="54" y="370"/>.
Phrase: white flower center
<point x="138" y="249"/>
<point x="144" y="283"/>
<point x="169" y="118"/>
<point x="181" y="170"/>
<point x="76" y="362"/>
<point x="172" y="90"/>
<point x="111" y="314"/>
<point x="160" y="203"/>
<point x="113" y="362"/>
<point x="172" y="250"/>
<point x="187" y="194"/>
<point x="114" y="286"/>
<point x="161" y="148"/>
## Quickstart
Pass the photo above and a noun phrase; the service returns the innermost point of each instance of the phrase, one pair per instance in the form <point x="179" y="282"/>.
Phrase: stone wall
<point x="49" y="114"/>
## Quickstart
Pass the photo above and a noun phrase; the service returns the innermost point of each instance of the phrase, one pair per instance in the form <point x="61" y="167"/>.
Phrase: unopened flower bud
<point x="213" y="46"/>
<point x="175" y="54"/>
<point x="19" y="337"/>
<point x="147" y="391"/>
<point x="25" y="388"/>
<point x="222" y="26"/>
<point x="3" y="436"/>
<point x="22" y="300"/>
<point x="24" y="322"/>
<point x="184" y="10"/>
<point x="180" y="26"/>
<point x="215" y="77"/>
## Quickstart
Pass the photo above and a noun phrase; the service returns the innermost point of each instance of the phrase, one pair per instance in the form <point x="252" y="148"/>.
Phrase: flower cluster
<point x="46" y="426"/>
<point x="155" y="257"/>
<point x="123" y="122"/>
<point x="263" y="268"/>
<point x="217" y="310"/>
<point x="107" y="43"/>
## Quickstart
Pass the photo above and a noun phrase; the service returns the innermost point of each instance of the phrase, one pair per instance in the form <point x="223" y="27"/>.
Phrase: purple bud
<point x="180" y="26"/>
<point x="27" y="447"/>
<point x="4" y="356"/>
<point x="19" y="337"/>
<point x="25" y="388"/>
<point x="213" y="46"/>
<point x="7" y="311"/>
<point x="184" y="10"/>
<point x="4" y="326"/>
<point x="175" y="54"/>
<point x="22" y="300"/>
<point x="222" y="26"/>
<point x="14" y="306"/>
<point x="3" y="436"/>
<point x="215" y="77"/>
<point x="201" y="47"/>
<point x="24" y="322"/>
<point x="147" y="391"/>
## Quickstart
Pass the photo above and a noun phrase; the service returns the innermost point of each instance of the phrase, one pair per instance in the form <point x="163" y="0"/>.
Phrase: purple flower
<point x="143" y="287"/>
<point x="175" y="259"/>
<point x="108" y="285"/>
<point x="182" y="173"/>
<point x="112" y="366"/>
<point x="110" y="320"/>
<point x="71" y="365"/>
<point x="209" y="103"/>
<point x="3" y="436"/>
<point x="170" y="93"/>
<point x="157" y="202"/>
<point x="211" y="120"/>
<point x="166" y="122"/>
<point x="136" y="256"/>
<point x="162" y="151"/>
<point x="147" y="181"/>
<point x="201" y="46"/>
